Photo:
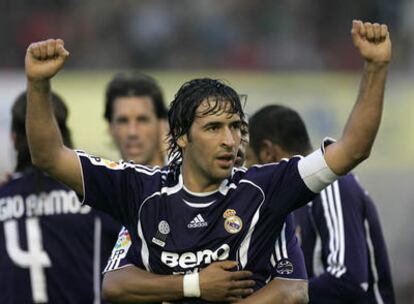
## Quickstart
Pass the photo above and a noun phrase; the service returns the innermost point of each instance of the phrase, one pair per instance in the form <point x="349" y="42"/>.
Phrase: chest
<point x="182" y="234"/>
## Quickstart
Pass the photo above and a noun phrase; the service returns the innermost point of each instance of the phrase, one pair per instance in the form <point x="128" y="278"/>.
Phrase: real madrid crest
<point x="232" y="223"/>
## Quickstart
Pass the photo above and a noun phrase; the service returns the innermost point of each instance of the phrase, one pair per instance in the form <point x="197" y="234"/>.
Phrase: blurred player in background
<point x="136" y="114"/>
<point x="204" y="120"/>
<point x="340" y="231"/>
<point x="52" y="249"/>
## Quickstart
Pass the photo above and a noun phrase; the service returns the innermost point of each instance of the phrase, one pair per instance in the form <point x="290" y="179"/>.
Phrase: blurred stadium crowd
<point x="198" y="34"/>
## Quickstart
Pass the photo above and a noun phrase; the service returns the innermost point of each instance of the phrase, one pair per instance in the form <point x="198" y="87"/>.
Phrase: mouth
<point x="134" y="145"/>
<point x="226" y="160"/>
<point x="133" y="149"/>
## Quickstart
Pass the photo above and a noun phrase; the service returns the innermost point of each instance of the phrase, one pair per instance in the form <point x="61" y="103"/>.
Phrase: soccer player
<point x="340" y="231"/>
<point x="239" y="207"/>
<point x="121" y="277"/>
<point x="136" y="116"/>
<point x="52" y="248"/>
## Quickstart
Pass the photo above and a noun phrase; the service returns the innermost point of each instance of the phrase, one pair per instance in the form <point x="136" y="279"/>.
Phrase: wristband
<point x="191" y="285"/>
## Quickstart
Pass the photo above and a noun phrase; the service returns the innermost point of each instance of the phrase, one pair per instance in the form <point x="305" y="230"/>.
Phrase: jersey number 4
<point x="35" y="258"/>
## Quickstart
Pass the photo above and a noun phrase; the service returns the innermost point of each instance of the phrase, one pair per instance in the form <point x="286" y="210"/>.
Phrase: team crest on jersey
<point x="284" y="267"/>
<point x="162" y="233"/>
<point x="111" y="164"/>
<point x="232" y="223"/>
<point x="99" y="161"/>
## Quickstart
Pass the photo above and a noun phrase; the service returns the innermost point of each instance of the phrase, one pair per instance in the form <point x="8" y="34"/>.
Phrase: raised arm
<point x="374" y="45"/>
<point x="43" y="60"/>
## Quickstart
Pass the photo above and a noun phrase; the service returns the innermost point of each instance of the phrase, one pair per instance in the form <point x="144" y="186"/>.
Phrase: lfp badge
<point x="232" y="223"/>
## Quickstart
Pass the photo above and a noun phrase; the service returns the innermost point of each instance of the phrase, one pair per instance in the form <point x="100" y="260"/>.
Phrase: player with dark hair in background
<point x="339" y="229"/>
<point x="241" y="209"/>
<point x="52" y="249"/>
<point x="136" y="114"/>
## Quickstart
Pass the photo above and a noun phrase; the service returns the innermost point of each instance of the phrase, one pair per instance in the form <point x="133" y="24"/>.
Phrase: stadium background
<point x="289" y="52"/>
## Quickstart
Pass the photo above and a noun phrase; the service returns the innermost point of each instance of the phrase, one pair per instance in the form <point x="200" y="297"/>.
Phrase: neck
<point x="158" y="160"/>
<point x="291" y="154"/>
<point x="197" y="181"/>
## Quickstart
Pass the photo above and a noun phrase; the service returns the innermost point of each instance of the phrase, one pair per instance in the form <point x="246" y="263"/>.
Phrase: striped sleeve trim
<point x="280" y="250"/>
<point x="332" y="207"/>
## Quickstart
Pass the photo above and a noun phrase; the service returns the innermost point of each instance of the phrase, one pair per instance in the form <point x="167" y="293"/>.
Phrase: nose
<point x="228" y="138"/>
<point x="132" y="129"/>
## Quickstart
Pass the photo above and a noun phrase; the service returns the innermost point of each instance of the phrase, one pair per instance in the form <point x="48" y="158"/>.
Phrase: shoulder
<point x="30" y="181"/>
<point x="265" y="170"/>
<point x="120" y="167"/>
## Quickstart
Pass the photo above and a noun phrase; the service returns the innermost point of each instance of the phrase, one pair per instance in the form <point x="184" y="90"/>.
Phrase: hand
<point x="372" y="40"/>
<point x="44" y="59"/>
<point x="217" y="283"/>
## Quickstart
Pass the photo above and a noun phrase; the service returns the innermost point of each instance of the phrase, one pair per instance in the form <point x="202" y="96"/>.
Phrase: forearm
<point x="362" y="126"/>
<point x="141" y="287"/>
<point x="44" y="138"/>
<point x="280" y="291"/>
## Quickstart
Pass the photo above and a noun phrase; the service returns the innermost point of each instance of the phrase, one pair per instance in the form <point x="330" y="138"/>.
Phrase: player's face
<point x="135" y="129"/>
<point x="211" y="147"/>
<point x="244" y="142"/>
<point x="251" y="158"/>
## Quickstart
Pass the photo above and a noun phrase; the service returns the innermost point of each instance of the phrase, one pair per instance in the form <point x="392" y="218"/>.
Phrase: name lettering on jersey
<point x="232" y="223"/>
<point x="162" y="233"/>
<point x="197" y="222"/>
<point x="43" y="204"/>
<point x="194" y="259"/>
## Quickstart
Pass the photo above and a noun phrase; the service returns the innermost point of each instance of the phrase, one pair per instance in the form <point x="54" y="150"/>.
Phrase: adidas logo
<point x="197" y="222"/>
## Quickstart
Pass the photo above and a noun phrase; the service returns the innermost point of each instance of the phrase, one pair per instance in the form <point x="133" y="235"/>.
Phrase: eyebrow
<point x="212" y="124"/>
<point x="220" y="123"/>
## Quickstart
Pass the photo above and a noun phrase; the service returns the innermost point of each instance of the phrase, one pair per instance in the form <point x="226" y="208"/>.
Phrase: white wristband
<point x="191" y="285"/>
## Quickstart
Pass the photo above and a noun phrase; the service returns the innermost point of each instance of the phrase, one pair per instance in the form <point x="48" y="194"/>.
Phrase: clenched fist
<point x="44" y="59"/>
<point x="372" y="40"/>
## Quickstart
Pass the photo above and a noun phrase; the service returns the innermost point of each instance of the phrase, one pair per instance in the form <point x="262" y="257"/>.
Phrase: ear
<point x="110" y="130"/>
<point x="266" y="152"/>
<point x="279" y="153"/>
<point x="271" y="152"/>
<point x="13" y="138"/>
<point x="182" y="141"/>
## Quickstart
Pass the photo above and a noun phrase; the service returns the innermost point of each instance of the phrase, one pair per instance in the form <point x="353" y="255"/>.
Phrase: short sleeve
<point x="122" y="254"/>
<point x="287" y="261"/>
<point x="116" y="188"/>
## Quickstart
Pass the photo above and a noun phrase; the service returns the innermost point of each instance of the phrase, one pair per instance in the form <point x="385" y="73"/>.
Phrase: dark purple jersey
<point x="344" y="248"/>
<point x="181" y="231"/>
<point x="286" y="262"/>
<point x="52" y="248"/>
